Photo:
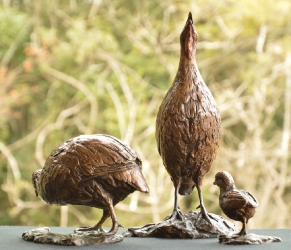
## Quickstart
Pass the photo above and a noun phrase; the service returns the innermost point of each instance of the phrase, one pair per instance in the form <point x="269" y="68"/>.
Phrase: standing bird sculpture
<point x="92" y="170"/>
<point x="188" y="125"/>
<point x="237" y="204"/>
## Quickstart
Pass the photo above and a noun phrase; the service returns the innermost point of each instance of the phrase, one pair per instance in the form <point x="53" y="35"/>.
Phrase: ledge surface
<point x="11" y="238"/>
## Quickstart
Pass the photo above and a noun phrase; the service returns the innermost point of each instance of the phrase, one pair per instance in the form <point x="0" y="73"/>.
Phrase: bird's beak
<point x="189" y="19"/>
<point x="190" y="35"/>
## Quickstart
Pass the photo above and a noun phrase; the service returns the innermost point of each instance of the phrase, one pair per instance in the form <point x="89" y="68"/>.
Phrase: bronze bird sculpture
<point x="92" y="170"/>
<point x="188" y="125"/>
<point x="237" y="204"/>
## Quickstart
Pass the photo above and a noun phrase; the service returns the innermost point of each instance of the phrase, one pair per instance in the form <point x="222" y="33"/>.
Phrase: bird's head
<point x="224" y="181"/>
<point x="188" y="39"/>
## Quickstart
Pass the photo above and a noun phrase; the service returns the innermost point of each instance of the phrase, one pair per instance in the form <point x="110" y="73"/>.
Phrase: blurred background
<point x="100" y="66"/>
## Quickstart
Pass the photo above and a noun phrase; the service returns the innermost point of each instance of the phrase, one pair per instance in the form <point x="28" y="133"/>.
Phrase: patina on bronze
<point x="238" y="205"/>
<point x="188" y="125"/>
<point x="84" y="238"/>
<point x="92" y="170"/>
<point x="188" y="129"/>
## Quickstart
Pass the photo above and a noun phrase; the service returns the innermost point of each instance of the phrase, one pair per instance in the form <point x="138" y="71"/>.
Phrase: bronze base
<point x="192" y="226"/>
<point x="43" y="235"/>
<point x="249" y="239"/>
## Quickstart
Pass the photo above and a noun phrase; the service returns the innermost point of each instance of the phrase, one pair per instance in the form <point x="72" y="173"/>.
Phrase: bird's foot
<point x="240" y="234"/>
<point x="176" y="215"/>
<point x="204" y="219"/>
<point x="114" y="228"/>
<point x="88" y="228"/>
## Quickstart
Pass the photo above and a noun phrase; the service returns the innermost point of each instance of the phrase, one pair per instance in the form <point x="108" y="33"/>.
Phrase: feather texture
<point x="92" y="170"/>
<point x="237" y="204"/>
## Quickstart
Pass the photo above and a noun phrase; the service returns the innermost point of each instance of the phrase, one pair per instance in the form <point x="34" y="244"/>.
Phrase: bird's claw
<point x="176" y="215"/>
<point x="206" y="218"/>
<point x="114" y="228"/>
<point x="88" y="228"/>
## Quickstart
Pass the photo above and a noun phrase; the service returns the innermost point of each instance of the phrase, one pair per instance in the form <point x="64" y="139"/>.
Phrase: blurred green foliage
<point x="100" y="66"/>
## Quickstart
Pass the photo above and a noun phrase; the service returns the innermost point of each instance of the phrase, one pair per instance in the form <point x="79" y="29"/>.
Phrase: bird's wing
<point x="252" y="201"/>
<point x="97" y="155"/>
<point x="233" y="199"/>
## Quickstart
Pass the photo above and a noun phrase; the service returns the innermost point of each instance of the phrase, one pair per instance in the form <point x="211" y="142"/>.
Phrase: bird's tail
<point x="137" y="180"/>
<point x="35" y="180"/>
<point x="186" y="187"/>
<point x="141" y="183"/>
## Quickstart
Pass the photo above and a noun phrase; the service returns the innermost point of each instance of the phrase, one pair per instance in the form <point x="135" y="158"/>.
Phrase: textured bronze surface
<point x="248" y="239"/>
<point x="237" y="204"/>
<point x="188" y="124"/>
<point x="92" y="170"/>
<point x="187" y="135"/>
<point x="44" y="236"/>
<point x="185" y="228"/>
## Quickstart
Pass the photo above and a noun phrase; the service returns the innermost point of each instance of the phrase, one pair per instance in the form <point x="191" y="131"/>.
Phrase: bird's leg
<point x="98" y="226"/>
<point x="176" y="214"/>
<point x="105" y="215"/>
<point x="115" y="223"/>
<point x="108" y="211"/>
<point x="204" y="213"/>
<point x="243" y="230"/>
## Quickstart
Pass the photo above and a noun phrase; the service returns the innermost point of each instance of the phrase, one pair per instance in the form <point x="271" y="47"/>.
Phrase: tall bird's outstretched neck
<point x="188" y="39"/>
<point x="188" y="124"/>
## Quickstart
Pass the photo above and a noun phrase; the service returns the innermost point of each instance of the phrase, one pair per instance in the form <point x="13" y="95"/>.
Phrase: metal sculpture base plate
<point x="43" y="235"/>
<point x="249" y="239"/>
<point x="193" y="226"/>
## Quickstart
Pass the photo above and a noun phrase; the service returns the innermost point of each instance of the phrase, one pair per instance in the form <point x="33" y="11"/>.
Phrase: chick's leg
<point x="243" y="230"/>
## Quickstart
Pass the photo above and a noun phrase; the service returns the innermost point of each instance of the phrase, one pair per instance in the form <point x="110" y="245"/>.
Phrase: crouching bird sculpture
<point x="237" y="204"/>
<point x="92" y="170"/>
<point x="188" y="125"/>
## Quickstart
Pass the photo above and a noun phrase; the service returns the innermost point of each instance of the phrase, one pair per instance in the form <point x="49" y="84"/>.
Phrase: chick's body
<point x="92" y="170"/>
<point x="237" y="204"/>
<point x="188" y="123"/>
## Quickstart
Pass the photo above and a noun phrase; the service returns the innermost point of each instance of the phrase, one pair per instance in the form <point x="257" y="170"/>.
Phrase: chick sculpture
<point x="188" y="125"/>
<point x="92" y="170"/>
<point x="237" y="204"/>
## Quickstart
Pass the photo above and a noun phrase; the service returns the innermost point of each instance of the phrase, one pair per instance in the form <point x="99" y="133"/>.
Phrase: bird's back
<point x="238" y="204"/>
<point x="87" y="159"/>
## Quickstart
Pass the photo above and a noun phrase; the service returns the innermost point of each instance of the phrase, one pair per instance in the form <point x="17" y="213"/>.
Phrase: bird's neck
<point x="188" y="68"/>
<point x="227" y="188"/>
<point x="186" y="63"/>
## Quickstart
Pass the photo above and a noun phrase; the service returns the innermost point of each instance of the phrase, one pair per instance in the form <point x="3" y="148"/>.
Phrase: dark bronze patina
<point x="187" y="135"/>
<point x="188" y="125"/>
<point x="92" y="170"/>
<point x="237" y="204"/>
